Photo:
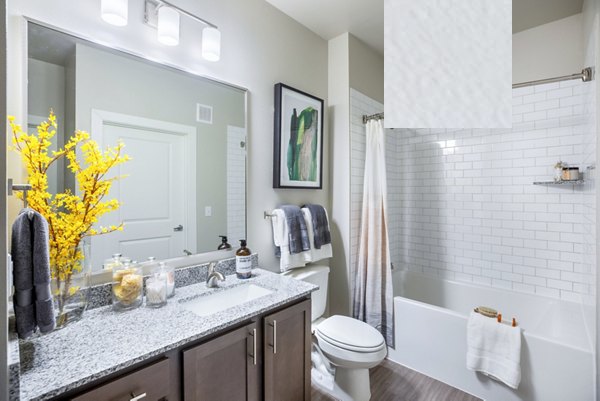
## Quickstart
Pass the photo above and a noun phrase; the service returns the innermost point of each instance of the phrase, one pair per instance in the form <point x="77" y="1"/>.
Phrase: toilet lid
<point x="350" y="333"/>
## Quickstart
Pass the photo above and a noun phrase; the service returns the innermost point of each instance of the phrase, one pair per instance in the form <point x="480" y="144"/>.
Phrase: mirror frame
<point x="101" y="276"/>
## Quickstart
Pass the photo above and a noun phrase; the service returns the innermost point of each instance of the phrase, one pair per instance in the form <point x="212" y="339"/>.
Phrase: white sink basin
<point x="209" y="304"/>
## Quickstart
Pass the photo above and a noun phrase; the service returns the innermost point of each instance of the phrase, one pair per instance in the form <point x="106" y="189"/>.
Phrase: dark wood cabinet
<point x="226" y="368"/>
<point x="267" y="359"/>
<point x="287" y="343"/>
<point x="150" y="383"/>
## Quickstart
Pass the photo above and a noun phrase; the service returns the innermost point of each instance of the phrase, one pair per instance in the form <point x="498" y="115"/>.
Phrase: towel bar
<point x="486" y="312"/>
<point x="18" y="187"/>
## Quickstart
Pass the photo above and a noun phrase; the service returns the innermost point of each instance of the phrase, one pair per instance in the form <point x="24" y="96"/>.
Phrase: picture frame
<point x="298" y="139"/>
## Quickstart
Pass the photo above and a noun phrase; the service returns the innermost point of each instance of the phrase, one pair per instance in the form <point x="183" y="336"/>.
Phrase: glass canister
<point x="168" y="272"/>
<point x="558" y="171"/>
<point x="156" y="290"/>
<point x="127" y="286"/>
<point x="116" y="260"/>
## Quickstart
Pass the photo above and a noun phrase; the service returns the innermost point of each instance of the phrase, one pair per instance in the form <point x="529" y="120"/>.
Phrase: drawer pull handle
<point x="137" y="397"/>
<point x="253" y="334"/>
<point x="274" y="324"/>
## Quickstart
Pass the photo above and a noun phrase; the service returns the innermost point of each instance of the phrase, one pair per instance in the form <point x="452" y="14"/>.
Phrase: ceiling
<point x="364" y="18"/>
<point x="330" y="18"/>
<point x="49" y="45"/>
<point x="530" y="13"/>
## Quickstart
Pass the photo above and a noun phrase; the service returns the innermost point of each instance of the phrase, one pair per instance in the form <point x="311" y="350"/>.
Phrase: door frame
<point x="189" y="134"/>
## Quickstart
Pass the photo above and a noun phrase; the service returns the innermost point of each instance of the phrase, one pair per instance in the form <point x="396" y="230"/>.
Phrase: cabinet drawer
<point x="153" y="381"/>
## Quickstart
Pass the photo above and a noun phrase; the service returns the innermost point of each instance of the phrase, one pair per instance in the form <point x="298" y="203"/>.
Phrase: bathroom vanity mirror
<point x="186" y="136"/>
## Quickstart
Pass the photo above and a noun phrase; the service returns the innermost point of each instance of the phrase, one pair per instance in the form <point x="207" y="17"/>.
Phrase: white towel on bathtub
<point x="494" y="349"/>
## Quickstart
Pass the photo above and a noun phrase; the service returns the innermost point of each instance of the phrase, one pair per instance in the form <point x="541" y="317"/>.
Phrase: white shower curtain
<point x="372" y="294"/>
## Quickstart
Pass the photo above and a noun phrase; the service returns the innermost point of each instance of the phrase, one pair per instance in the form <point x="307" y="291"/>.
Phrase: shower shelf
<point x="563" y="182"/>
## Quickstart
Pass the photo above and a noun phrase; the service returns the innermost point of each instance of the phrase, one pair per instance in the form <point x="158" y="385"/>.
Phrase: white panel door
<point x="153" y="193"/>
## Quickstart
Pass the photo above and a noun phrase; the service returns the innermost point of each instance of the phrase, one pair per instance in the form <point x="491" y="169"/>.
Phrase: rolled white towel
<point x="494" y="349"/>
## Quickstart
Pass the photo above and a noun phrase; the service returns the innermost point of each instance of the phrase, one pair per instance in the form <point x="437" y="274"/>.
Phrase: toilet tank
<point x="318" y="275"/>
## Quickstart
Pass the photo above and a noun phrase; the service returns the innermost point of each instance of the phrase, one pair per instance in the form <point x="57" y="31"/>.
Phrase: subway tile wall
<point x="463" y="205"/>
<point x="236" y="184"/>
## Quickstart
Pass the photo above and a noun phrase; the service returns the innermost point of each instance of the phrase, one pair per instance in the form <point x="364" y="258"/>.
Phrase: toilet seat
<point x="350" y="359"/>
<point x="350" y="343"/>
<point x="350" y="334"/>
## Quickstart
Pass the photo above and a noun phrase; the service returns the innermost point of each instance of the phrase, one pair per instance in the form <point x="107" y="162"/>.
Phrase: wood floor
<point x="393" y="382"/>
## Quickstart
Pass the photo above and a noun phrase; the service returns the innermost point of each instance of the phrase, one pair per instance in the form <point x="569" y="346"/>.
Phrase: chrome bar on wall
<point x="586" y="75"/>
<point x="18" y="187"/>
<point x="378" y="116"/>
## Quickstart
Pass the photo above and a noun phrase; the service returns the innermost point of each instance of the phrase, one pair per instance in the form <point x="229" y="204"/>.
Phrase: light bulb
<point x="114" y="12"/>
<point x="168" y="26"/>
<point x="211" y="44"/>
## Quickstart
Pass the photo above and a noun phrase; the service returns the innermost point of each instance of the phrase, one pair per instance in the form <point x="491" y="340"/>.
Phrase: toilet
<point x="351" y="345"/>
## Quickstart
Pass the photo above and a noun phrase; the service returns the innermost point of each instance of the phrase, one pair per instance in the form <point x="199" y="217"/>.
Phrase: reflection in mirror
<point x="185" y="184"/>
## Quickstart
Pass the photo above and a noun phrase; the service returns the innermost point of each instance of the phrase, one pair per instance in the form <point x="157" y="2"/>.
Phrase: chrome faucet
<point x="213" y="276"/>
<point x="187" y="253"/>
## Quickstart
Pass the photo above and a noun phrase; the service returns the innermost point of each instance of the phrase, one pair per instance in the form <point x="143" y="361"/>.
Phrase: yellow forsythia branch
<point x="70" y="216"/>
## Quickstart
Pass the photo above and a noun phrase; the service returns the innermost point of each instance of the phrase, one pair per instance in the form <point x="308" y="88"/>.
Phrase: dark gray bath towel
<point x="31" y="274"/>
<point x="298" y="234"/>
<point x="320" y="225"/>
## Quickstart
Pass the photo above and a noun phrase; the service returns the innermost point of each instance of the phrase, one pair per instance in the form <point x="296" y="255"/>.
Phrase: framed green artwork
<point x="298" y="140"/>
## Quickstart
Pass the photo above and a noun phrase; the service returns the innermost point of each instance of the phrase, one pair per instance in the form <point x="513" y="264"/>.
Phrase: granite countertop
<point x="105" y="341"/>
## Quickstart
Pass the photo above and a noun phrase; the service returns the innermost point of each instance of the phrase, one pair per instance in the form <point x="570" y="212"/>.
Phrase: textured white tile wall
<point x="466" y="207"/>
<point x="448" y="63"/>
<point x="236" y="184"/>
<point x="588" y="158"/>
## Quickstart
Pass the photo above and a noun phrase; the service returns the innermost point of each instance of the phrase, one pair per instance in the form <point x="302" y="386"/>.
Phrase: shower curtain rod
<point x="378" y="116"/>
<point x="586" y="75"/>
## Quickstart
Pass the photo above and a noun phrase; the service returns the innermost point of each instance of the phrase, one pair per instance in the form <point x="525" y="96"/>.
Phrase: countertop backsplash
<point x="100" y="295"/>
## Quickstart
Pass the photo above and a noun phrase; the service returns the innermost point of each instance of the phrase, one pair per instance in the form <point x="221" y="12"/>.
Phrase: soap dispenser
<point x="224" y="245"/>
<point x="243" y="261"/>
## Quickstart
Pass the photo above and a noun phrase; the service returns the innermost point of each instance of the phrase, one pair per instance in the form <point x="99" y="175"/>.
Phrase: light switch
<point x="207" y="211"/>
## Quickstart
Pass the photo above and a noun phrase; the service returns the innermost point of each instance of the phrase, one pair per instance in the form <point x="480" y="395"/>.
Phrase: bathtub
<point x="430" y="321"/>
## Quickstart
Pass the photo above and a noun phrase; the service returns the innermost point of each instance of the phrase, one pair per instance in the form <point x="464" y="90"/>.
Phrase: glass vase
<point x="71" y="292"/>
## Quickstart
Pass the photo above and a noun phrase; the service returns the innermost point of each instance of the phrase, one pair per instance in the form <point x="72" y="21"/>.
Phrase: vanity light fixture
<point x="168" y="26"/>
<point x="165" y="16"/>
<point x="114" y="11"/>
<point x="211" y="43"/>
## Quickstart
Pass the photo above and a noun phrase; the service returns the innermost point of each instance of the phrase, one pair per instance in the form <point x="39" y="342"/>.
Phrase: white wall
<point x="549" y="50"/>
<point x="47" y="91"/>
<point x="255" y="55"/>
<point x="339" y="109"/>
<point x="366" y="69"/>
<point x="351" y="63"/>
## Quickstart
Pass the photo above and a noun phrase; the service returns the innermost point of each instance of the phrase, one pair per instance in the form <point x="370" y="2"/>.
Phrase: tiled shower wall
<point x="463" y="205"/>
<point x="236" y="183"/>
